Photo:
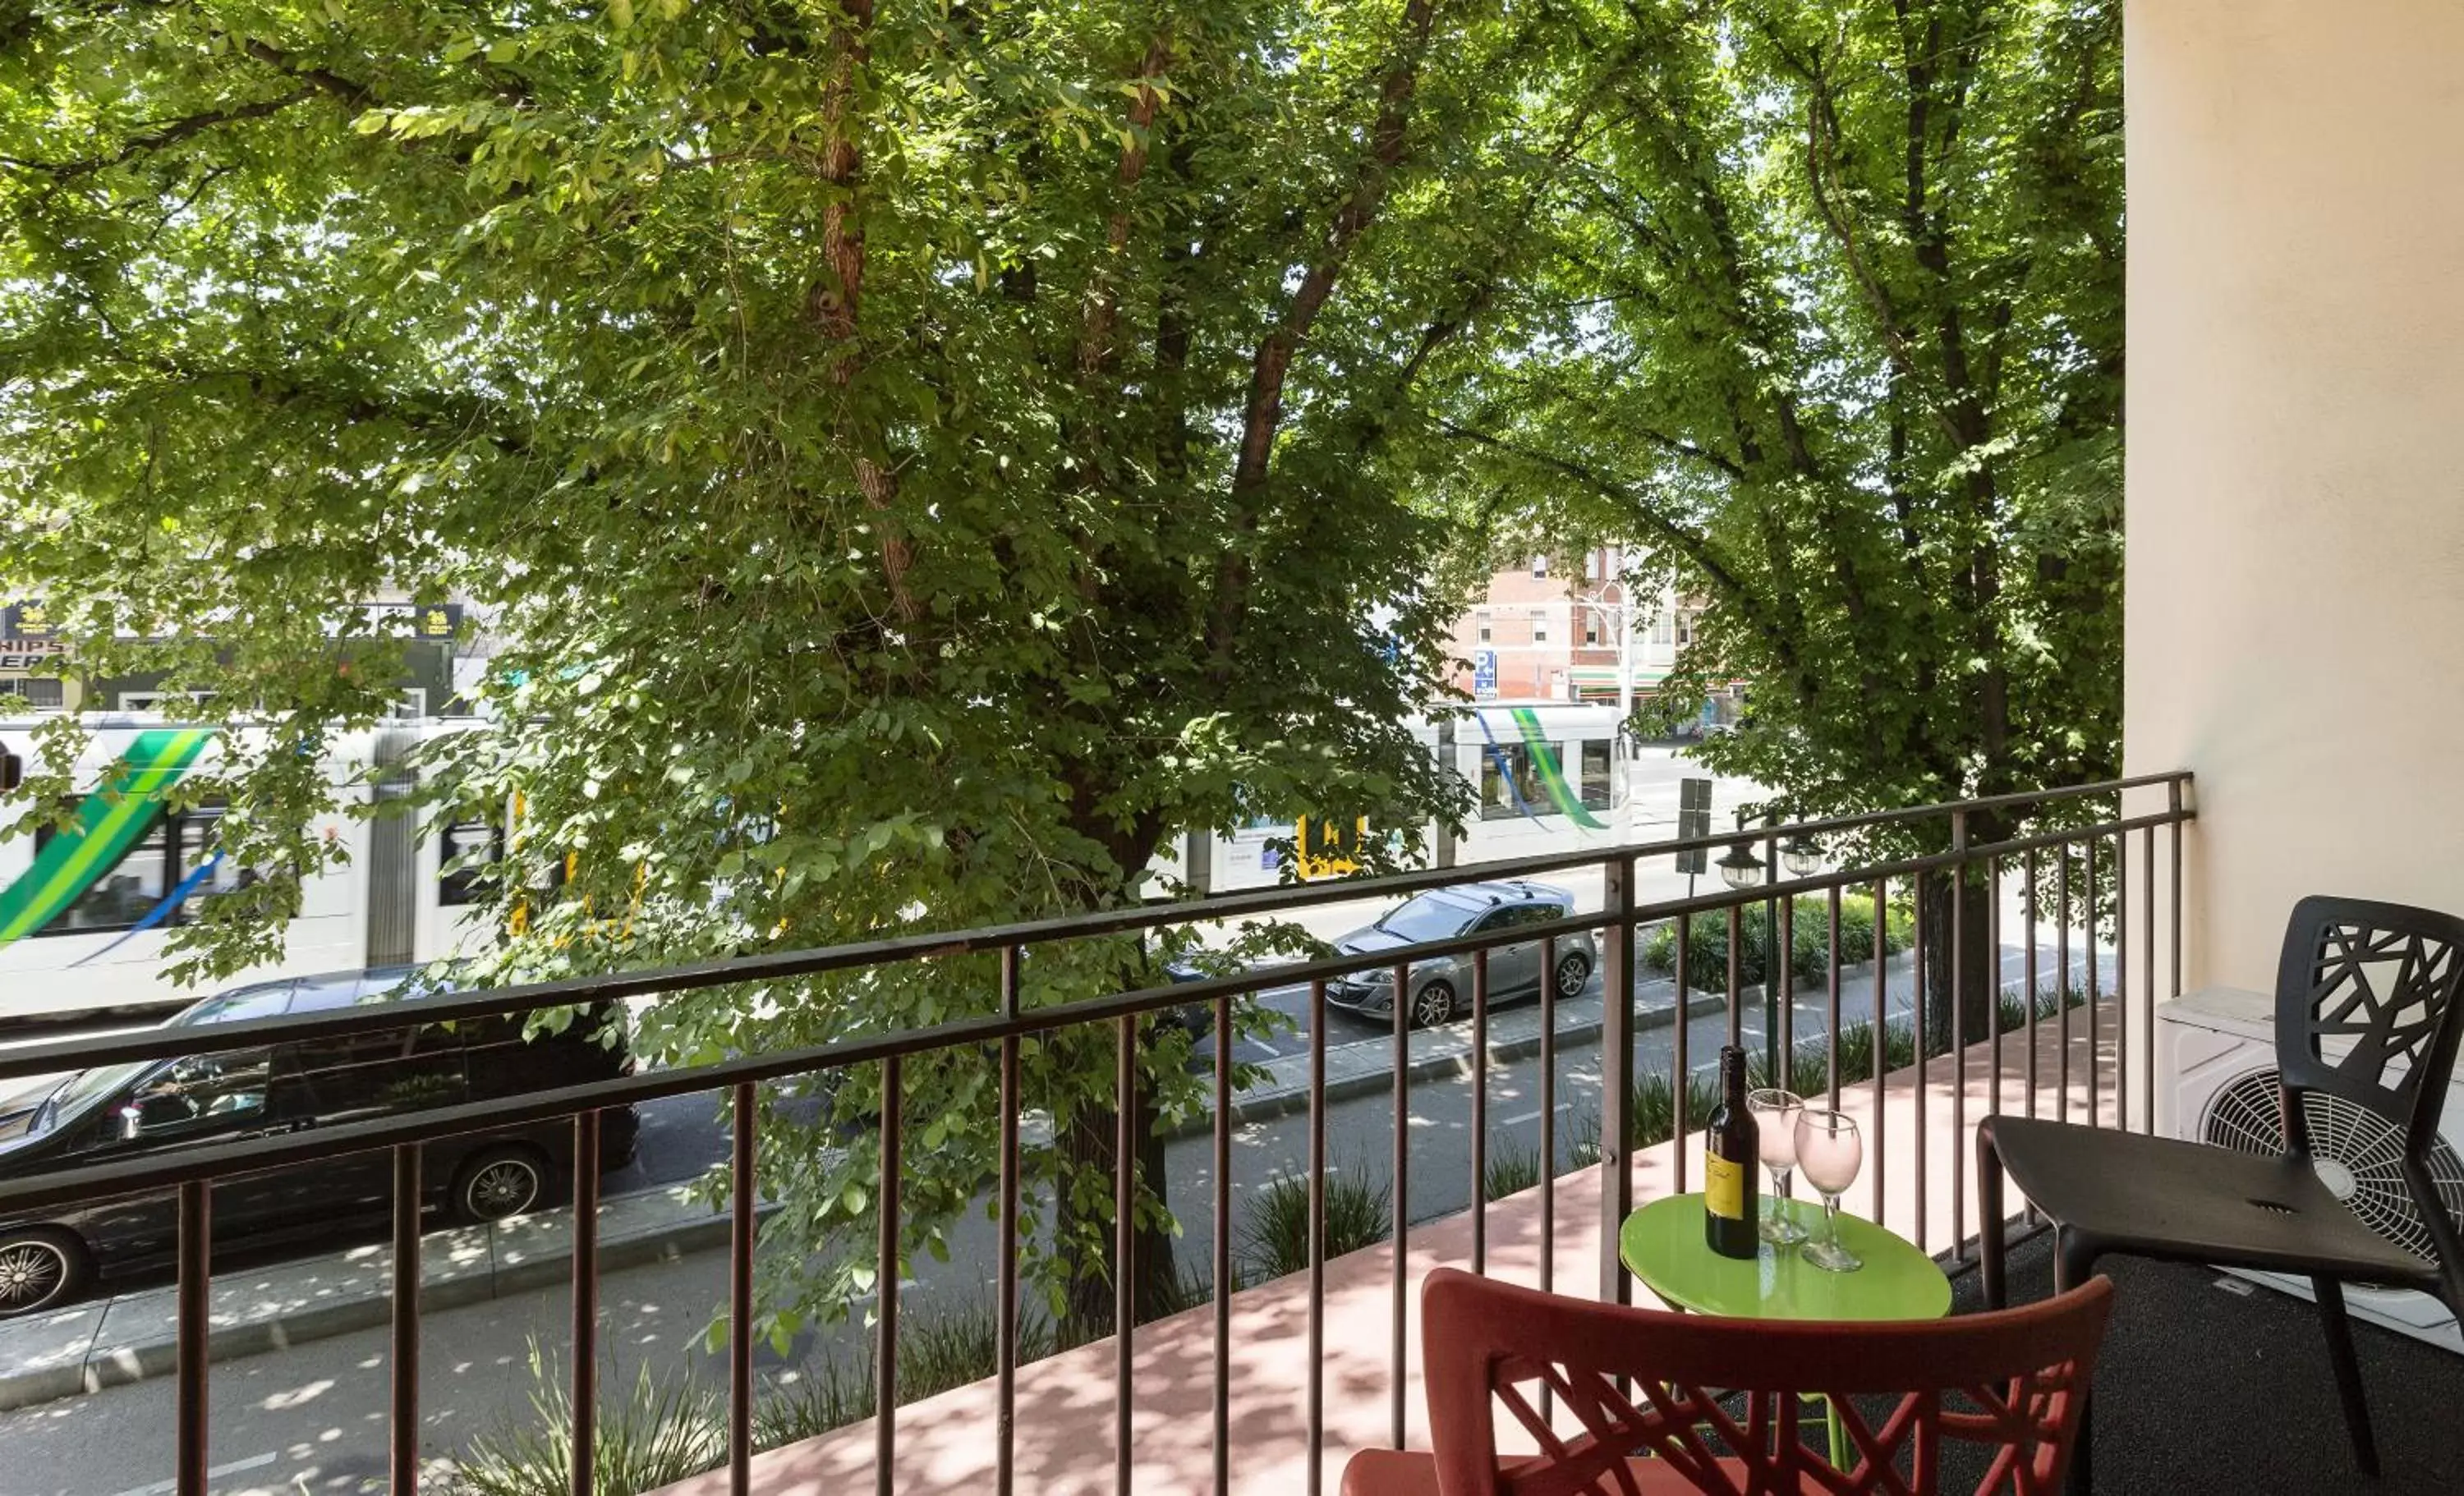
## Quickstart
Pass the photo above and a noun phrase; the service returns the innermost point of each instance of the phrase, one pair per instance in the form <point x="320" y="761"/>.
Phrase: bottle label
<point x="1724" y="1187"/>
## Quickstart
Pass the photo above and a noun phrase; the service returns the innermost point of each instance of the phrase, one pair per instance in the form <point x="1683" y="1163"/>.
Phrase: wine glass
<point x="1830" y="1151"/>
<point x="1774" y="1112"/>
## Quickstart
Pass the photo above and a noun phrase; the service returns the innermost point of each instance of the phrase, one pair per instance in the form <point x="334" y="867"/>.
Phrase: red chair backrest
<point x="2013" y="1382"/>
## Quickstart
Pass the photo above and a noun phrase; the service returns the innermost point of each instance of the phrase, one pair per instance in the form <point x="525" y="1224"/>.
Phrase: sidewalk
<point x="129" y="1336"/>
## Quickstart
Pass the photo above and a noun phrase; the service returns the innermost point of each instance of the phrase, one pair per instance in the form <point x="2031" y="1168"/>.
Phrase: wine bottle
<point x="1728" y="1153"/>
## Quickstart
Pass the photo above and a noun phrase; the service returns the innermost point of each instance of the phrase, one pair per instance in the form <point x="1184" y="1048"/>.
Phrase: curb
<point x="77" y="1350"/>
<point x="1448" y="1054"/>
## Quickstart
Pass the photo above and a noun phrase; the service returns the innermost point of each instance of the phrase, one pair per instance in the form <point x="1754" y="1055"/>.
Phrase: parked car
<point x="152" y="1107"/>
<point x="1442" y="989"/>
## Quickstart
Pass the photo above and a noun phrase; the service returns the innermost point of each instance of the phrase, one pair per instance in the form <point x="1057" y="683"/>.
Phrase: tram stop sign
<point x="1693" y="819"/>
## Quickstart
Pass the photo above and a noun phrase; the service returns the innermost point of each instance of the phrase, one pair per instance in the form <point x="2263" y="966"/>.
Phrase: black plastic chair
<point x="2382" y="979"/>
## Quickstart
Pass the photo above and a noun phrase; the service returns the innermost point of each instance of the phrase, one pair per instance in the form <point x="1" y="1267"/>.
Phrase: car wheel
<point x="499" y="1183"/>
<point x="39" y="1270"/>
<point x="1433" y="1005"/>
<point x="1573" y="969"/>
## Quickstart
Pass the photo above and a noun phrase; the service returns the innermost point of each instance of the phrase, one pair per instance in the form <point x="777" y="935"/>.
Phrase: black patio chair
<point x="2368" y="1016"/>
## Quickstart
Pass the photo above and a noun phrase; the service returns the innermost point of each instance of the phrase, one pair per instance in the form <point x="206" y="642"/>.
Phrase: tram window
<point x="1497" y="800"/>
<point x="194" y="834"/>
<point x="1594" y="780"/>
<point x="464" y="851"/>
<point x="126" y="892"/>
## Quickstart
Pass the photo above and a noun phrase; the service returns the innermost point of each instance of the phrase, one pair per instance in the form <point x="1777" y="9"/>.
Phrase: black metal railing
<point x="2078" y="829"/>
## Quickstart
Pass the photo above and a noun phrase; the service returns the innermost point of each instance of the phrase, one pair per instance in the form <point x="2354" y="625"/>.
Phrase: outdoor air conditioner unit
<point x="2217" y="1083"/>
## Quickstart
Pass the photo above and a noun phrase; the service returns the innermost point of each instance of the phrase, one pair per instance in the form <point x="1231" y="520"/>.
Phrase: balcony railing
<point x="2080" y="876"/>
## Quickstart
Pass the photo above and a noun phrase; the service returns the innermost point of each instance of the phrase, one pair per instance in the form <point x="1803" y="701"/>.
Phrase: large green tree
<point x="1832" y="329"/>
<point x="916" y="457"/>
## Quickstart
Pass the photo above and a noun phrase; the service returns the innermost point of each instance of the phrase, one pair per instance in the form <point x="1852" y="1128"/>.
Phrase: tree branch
<point x="165" y="134"/>
<point x="1263" y="415"/>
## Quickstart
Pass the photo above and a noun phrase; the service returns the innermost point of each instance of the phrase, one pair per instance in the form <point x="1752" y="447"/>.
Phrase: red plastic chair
<point x="2013" y="1382"/>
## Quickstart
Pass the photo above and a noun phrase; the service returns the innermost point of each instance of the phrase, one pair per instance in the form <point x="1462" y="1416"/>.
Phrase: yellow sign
<point x="1329" y="848"/>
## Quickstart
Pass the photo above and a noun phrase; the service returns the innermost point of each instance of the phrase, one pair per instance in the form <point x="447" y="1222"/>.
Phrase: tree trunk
<point x="1090" y="1143"/>
<point x="1960" y="1004"/>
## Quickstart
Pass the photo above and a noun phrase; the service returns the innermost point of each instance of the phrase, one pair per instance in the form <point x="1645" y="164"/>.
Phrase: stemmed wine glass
<point x="1830" y="1151"/>
<point x="1774" y="1112"/>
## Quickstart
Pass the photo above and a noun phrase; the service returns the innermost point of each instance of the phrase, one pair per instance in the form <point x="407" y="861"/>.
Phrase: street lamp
<point x="1740" y="868"/>
<point x="1803" y="855"/>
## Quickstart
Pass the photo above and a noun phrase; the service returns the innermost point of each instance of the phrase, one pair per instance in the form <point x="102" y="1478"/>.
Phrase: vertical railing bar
<point x="2062" y="977"/>
<point x="885" y="1360"/>
<point x="1781" y="951"/>
<point x="1478" y="1111"/>
<point x="2175" y="832"/>
<point x="193" y="1319"/>
<point x="1830" y="1051"/>
<point x="1736" y="984"/>
<point x="1317" y="1235"/>
<point x="1681" y="1078"/>
<point x="1881" y="1037"/>
<point x="1994" y="943"/>
<point x="2029" y="1006"/>
<point x="2121" y="980"/>
<point x="1924" y="1043"/>
<point x="1402" y="1192"/>
<point x="1958" y="995"/>
<point x="744" y="1221"/>
<point x="1616" y="1076"/>
<point x="1223" y="1285"/>
<point x="1125" y="1246"/>
<point x="404" y="1362"/>
<point x="1547" y="1135"/>
<point x="2147" y="967"/>
<point x="2095" y="1054"/>
<point x="1005" y="1273"/>
<point x="586" y="1301"/>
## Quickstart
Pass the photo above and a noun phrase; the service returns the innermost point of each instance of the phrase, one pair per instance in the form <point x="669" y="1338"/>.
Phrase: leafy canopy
<point x="915" y="458"/>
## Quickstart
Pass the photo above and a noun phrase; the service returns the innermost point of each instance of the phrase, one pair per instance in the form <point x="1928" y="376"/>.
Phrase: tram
<point x="85" y="913"/>
<point x="1550" y="777"/>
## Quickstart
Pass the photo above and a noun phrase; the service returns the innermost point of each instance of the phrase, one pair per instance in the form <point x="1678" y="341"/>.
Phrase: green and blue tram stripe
<point x="1552" y="777"/>
<point x="107" y="823"/>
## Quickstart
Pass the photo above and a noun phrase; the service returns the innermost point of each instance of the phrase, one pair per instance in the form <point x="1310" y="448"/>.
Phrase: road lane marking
<point x="165" y="1487"/>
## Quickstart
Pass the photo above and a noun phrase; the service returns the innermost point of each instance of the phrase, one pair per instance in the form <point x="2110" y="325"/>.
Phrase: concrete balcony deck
<point x="1065" y="1442"/>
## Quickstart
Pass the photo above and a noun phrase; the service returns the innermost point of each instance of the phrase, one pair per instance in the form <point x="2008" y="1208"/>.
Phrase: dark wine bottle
<point x="1730" y="1153"/>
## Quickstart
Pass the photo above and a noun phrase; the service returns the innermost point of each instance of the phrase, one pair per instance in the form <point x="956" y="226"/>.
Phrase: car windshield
<point x="1427" y="918"/>
<point x="81" y="1090"/>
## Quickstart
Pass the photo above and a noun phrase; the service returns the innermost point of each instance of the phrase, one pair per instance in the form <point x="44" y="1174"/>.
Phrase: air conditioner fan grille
<point x="2360" y="1151"/>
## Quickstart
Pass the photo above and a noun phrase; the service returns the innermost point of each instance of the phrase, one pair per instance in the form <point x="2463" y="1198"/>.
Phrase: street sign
<point x="1693" y="819"/>
<point x="1483" y="675"/>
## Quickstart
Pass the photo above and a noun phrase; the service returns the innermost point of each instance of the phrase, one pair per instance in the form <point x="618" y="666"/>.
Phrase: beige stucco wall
<point x="2295" y="470"/>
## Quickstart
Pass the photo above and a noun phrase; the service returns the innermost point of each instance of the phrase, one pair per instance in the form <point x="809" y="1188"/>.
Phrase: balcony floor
<point x="2204" y="1390"/>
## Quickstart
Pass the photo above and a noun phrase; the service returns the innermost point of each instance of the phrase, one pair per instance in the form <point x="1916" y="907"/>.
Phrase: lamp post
<point x="1741" y="870"/>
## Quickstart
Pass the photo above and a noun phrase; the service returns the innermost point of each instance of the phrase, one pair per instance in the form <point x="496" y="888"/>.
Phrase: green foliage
<point x="1830" y="333"/>
<point x="650" y="1435"/>
<point x="1274" y="1235"/>
<point x="1652" y="1117"/>
<point x="1509" y="1169"/>
<point x="1808" y="928"/>
<point x="937" y="1351"/>
<point x="911" y="461"/>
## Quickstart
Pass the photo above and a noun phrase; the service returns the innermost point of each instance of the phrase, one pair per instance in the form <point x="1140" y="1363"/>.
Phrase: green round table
<point x="1663" y="1244"/>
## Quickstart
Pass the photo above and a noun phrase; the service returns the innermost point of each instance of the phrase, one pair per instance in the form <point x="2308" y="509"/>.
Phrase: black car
<point x="155" y="1106"/>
